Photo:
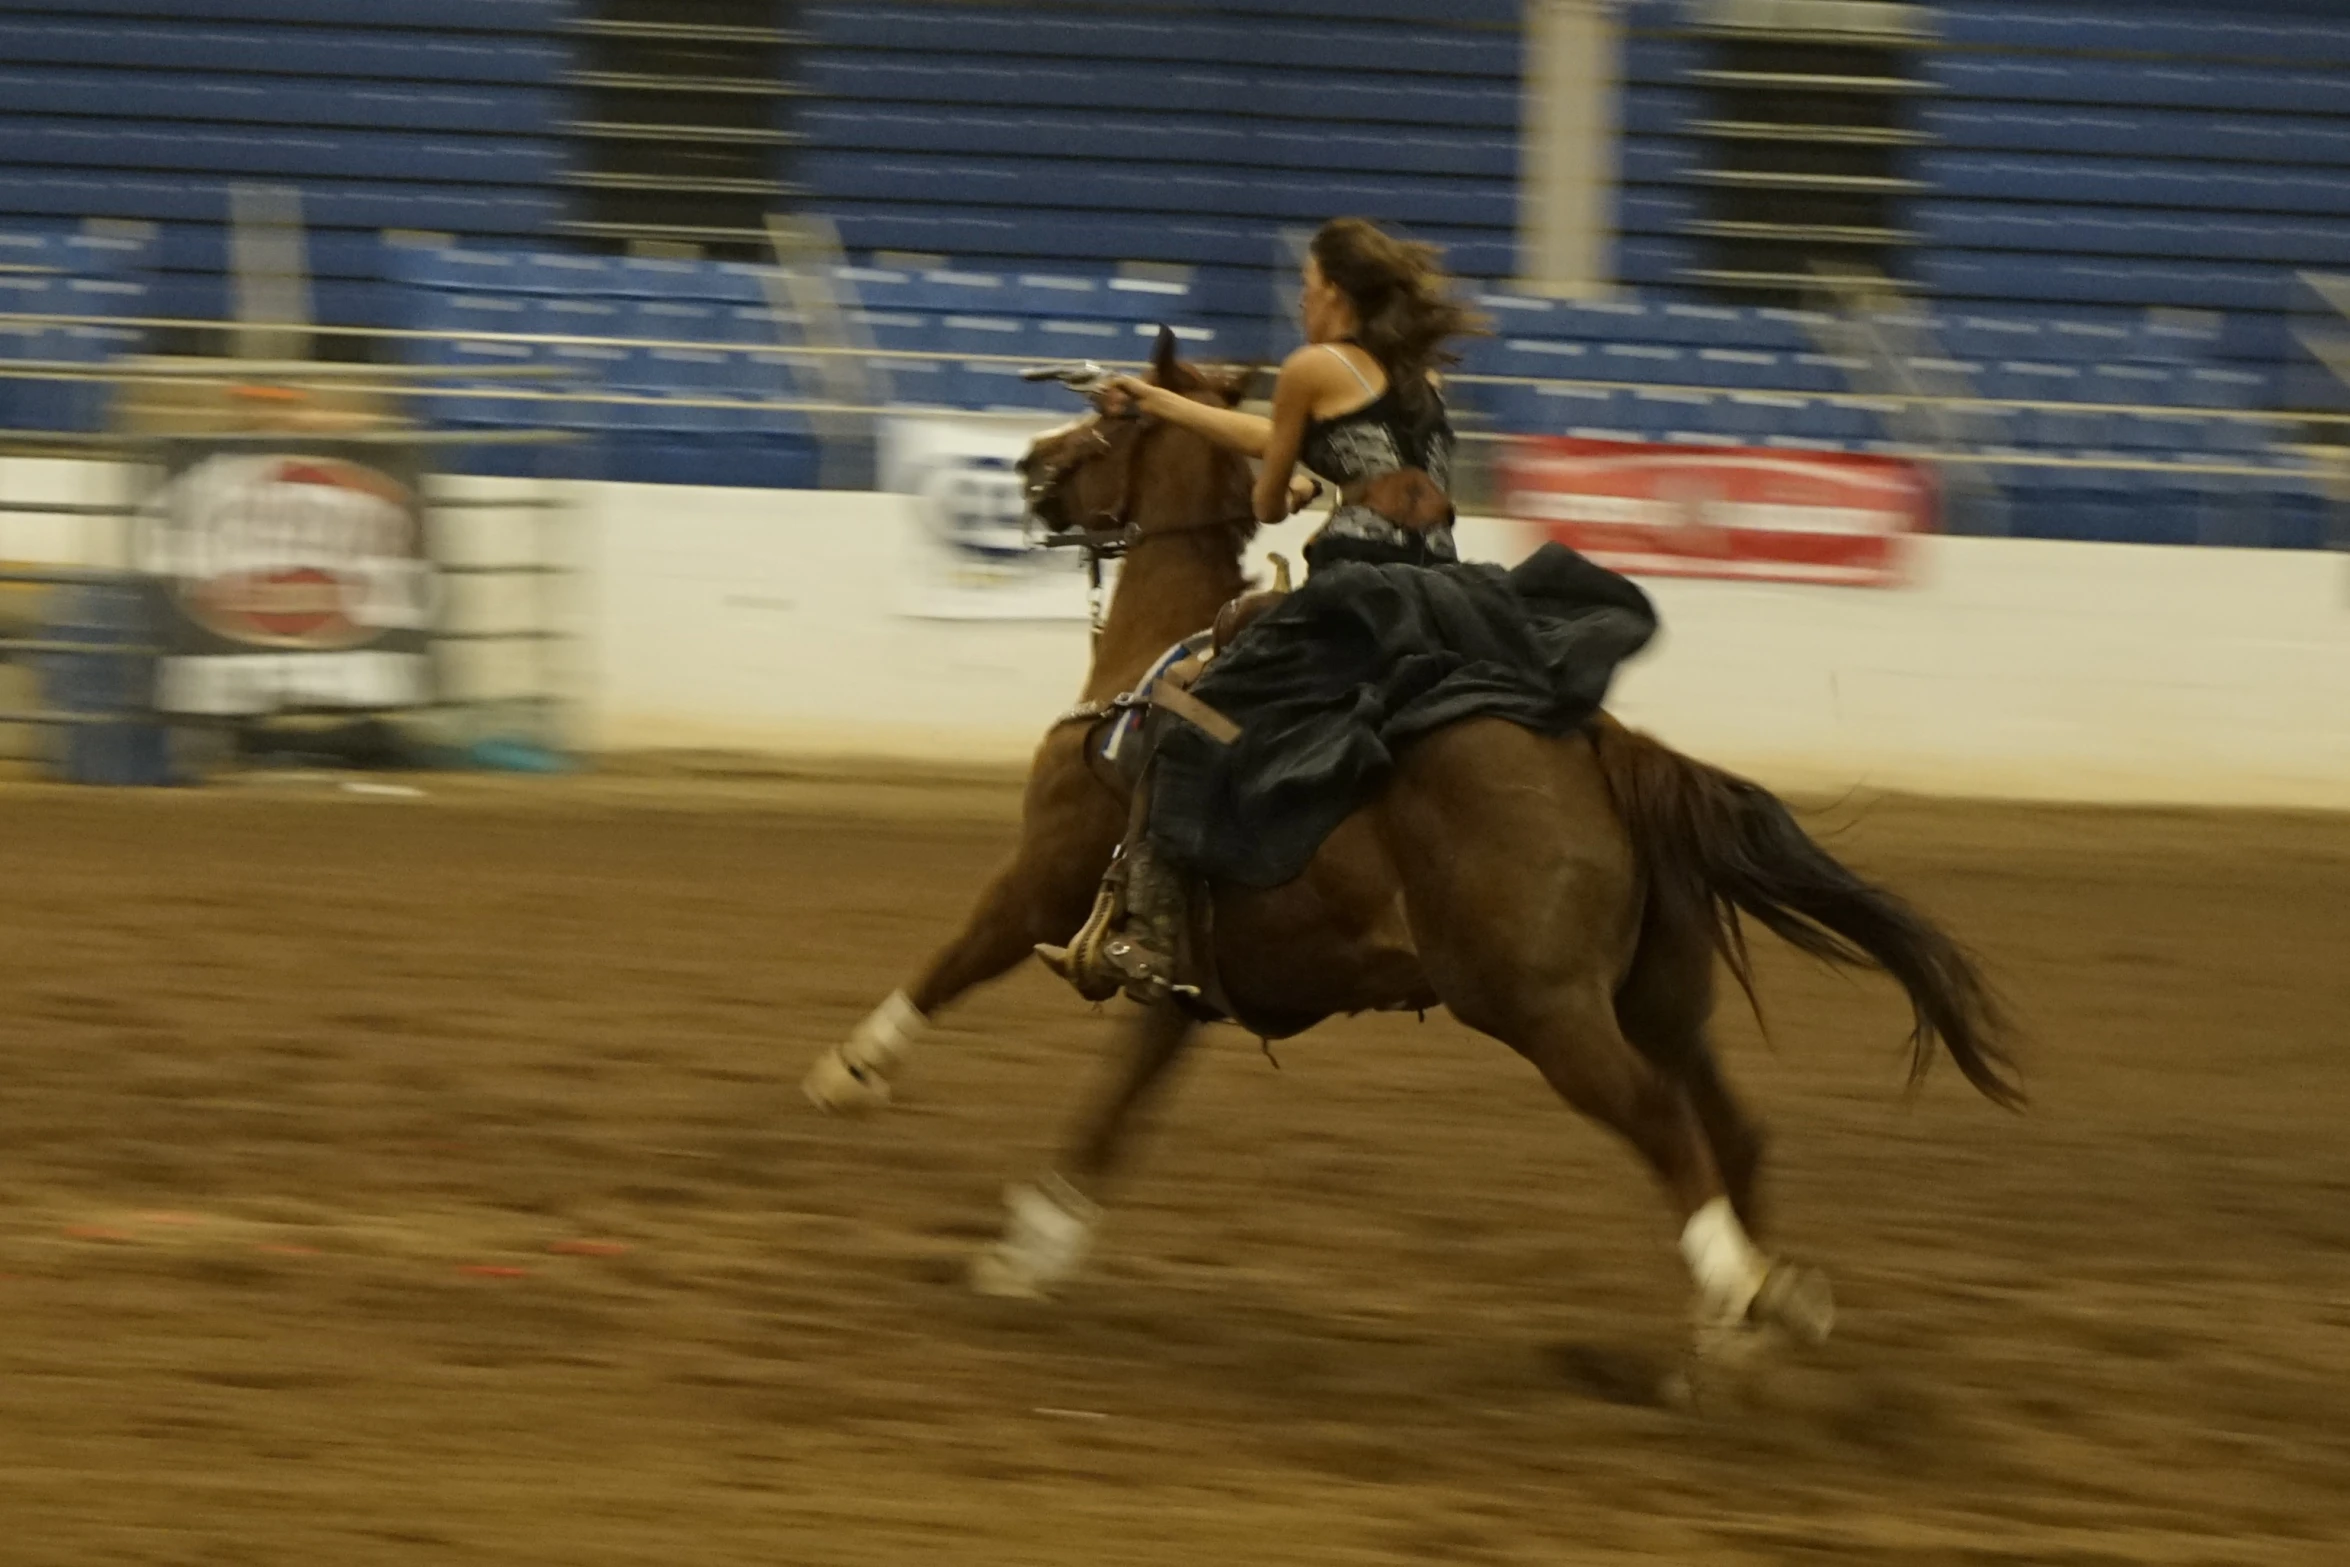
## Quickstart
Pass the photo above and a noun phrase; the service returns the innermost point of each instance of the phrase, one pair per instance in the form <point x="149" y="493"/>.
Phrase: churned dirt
<point x="397" y="1179"/>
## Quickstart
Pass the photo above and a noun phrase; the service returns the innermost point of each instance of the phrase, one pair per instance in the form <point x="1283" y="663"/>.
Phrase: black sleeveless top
<point x="1379" y="437"/>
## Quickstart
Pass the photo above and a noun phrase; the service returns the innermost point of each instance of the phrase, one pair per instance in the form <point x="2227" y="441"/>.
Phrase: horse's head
<point x="1088" y="477"/>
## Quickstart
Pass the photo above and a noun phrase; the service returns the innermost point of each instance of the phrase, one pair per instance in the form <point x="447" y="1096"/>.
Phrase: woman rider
<point x="1358" y="403"/>
<point x="1360" y="406"/>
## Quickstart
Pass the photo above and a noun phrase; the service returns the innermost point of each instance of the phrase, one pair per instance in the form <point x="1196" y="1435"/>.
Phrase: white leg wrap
<point x="880" y="1042"/>
<point x="1048" y="1229"/>
<point x="1726" y="1265"/>
<point x="854" y="1076"/>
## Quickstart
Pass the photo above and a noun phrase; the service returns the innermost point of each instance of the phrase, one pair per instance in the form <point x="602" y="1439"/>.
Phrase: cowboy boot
<point x="1146" y="955"/>
<point x="1080" y="962"/>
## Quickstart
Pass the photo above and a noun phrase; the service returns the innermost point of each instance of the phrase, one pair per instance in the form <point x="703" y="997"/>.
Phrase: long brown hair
<point x="1403" y="300"/>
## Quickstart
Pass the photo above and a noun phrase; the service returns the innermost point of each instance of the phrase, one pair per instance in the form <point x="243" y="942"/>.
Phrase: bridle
<point x="1111" y="533"/>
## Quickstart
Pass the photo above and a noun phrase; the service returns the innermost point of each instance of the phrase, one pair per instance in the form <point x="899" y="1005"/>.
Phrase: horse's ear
<point x="1166" y="369"/>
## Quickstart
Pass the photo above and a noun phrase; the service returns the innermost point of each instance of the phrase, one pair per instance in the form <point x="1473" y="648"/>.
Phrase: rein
<point x="1113" y="534"/>
<point x="1116" y="543"/>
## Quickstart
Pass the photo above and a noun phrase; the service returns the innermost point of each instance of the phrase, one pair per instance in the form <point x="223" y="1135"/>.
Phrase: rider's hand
<point x="1303" y="492"/>
<point x="1124" y="394"/>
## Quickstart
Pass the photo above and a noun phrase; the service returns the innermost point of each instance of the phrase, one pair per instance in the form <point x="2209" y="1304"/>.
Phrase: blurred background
<point x="2071" y="263"/>
<point x="403" y="400"/>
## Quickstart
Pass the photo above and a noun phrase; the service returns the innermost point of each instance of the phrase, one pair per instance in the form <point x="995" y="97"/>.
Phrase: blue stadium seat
<point x="343" y="155"/>
<point x="654" y="277"/>
<point x="2240" y="438"/>
<point x="364" y="53"/>
<point x="1055" y="341"/>
<point x="2177" y="338"/>
<point x="2089" y="340"/>
<point x="986" y="384"/>
<point x="1782" y="331"/>
<point x="2162" y="433"/>
<point x="1822" y="372"/>
<point x="2217" y="388"/>
<point x="590" y="368"/>
<point x="563" y="316"/>
<point x="676" y="321"/>
<point x="2140" y="385"/>
<point x="1058" y="295"/>
<point x="2136" y="83"/>
<point x="876" y="288"/>
<point x="2272" y="35"/>
<point x="21" y="248"/>
<point x="759" y="325"/>
<point x="102" y="296"/>
<point x="282" y="100"/>
<point x="993" y="335"/>
<point x="1149" y="300"/>
<point x="1993" y="338"/>
<point x="2023" y="380"/>
<point x="733" y="282"/>
<point x="493" y="16"/>
<point x="695" y="372"/>
<point x="897" y="330"/>
<point x="462" y="313"/>
<point x="1520" y="315"/>
<point x="1701" y="326"/>
<point x="1599" y="321"/>
<point x="1544" y="359"/>
<point x="1663" y="415"/>
<point x="1755" y="416"/>
<point x="558" y="272"/>
<point x="918" y="382"/>
<point x="1594" y="412"/>
<point x="1741" y="369"/>
<point x="965" y="293"/>
<point x="1646" y="362"/>
<point x="1449" y="152"/>
<point x="1842" y="419"/>
<point x="448" y="266"/>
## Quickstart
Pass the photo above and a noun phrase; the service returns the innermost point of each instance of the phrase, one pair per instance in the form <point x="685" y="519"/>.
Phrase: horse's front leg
<point x="1049" y="1225"/>
<point x="1040" y="895"/>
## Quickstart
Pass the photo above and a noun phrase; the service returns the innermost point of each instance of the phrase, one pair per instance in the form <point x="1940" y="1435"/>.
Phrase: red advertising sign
<point x="1715" y="511"/>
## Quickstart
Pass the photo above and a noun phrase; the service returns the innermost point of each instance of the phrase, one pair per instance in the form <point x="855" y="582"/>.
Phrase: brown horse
<point x="1569" y="897"/>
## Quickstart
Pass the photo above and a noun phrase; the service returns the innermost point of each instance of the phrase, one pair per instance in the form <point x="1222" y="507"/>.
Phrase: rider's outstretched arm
<point x="1244" y="433"/>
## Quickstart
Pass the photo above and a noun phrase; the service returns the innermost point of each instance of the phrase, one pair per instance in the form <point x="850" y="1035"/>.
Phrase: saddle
<point x="1135" y="716"/>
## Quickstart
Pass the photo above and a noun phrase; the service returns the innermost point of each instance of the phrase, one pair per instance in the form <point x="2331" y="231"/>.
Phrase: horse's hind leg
<point x="1665" y="1008"/>
<point x="1049" y="1225"/>
<point x="1522" y="896"/>
<point x="1575" y="1041"/>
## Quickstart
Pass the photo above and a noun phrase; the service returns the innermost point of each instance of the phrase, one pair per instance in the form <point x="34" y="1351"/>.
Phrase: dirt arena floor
<point x="425" y="1180"/>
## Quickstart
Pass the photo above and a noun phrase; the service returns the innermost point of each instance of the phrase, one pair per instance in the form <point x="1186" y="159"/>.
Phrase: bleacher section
<point x="51" y="270"/>
<point x="2183" y="155"/>
<point x="415" y="114"/>
<point x="679" y="370"/>
<point x="1014" y="139"/>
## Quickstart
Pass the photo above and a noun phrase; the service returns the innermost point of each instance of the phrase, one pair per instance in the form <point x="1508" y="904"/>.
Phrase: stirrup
<point x="1081" y="962"/>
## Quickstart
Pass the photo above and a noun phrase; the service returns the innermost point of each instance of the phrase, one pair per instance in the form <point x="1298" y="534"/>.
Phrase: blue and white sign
<point x="973" y="558"/>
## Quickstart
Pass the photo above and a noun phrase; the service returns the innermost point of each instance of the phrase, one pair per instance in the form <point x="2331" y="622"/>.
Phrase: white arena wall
<point x="2091" y="672"/>
<point x="774" y="621"/>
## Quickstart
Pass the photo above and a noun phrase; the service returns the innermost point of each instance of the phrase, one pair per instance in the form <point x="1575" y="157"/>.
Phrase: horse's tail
<point x="1715" y="846"/>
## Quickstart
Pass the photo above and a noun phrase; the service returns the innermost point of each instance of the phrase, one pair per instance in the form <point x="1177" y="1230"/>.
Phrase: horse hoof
<point x="1798" y="1301"/>
<point x="837" y="1088"/>
<point x="995" y="1275"/>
